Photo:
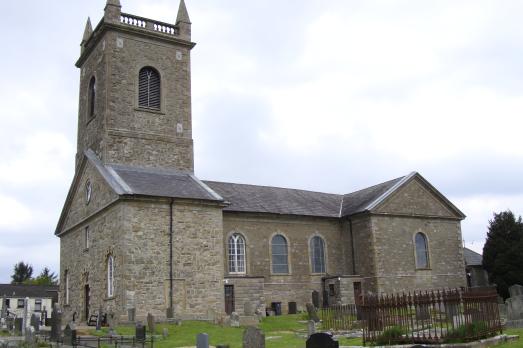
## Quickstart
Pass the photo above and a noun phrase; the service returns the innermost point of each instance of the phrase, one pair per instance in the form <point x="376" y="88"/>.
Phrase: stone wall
<point x="138" y="136"/>
<point x="247" y="289"/>
<point x="89" y="266"/>
<point x="297" y="286"/>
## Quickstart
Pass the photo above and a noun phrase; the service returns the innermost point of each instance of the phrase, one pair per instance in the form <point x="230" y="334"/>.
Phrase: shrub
<point x="462" y="333"/>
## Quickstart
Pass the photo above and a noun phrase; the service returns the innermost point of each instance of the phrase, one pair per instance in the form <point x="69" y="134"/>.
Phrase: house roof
<point x="472" y="258"/>
<point x="32" y="291"/>
<point x="276" y="200"/>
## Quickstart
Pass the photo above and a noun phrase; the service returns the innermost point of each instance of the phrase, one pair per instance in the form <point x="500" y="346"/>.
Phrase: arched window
<point x="422" y="251"/>
<point x="91" y="97"/>
<point x="110" y="276"/>
<point x="280" y="260"/>
<point x="317" y="247"/>
<point x="236" y="254"/>
<point x="66" y="286"/>
<point x="149" y="88"/>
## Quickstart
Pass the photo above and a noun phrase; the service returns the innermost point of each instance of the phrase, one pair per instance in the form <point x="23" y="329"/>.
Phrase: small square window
<point x="7" y="302"/>
<point x="38" y="305"/>
<point x="20" y="303"/>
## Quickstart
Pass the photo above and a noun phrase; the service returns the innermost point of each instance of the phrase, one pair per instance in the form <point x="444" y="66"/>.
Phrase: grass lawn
<point x="514" y="344"/>
<point x="280" y="331"/>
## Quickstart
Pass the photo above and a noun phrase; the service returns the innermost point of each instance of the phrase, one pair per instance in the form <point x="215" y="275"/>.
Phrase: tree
<point x="21" y="273"/>
<point x="46" y="277"/>
<point x="502" y="256"/>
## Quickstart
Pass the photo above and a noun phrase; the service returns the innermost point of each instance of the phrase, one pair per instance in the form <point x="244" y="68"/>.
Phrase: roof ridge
<point x="272" y="187"/>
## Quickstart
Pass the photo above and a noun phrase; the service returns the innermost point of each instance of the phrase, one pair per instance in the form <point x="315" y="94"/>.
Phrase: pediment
<point x="417" y="197"/>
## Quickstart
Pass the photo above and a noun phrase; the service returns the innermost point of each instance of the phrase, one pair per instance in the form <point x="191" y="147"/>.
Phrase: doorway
<point x="229" y="299"/>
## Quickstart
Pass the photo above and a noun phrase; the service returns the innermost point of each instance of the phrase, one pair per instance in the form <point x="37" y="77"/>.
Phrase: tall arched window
<point x="280" y="260"/>
<point x="236" y="254"/>
<point x="91" y="97"/>
<point x="422" y="251"/>
<point x="317" y="247"/>
<point x="110" y="276"/>
<point x="149" y="88"/>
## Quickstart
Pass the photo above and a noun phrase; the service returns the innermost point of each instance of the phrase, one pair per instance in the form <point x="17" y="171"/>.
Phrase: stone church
<point x="140" y="233"/>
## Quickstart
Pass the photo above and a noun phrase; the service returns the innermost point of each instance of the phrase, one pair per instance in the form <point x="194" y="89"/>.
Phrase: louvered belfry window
<point x="149" y="88"/>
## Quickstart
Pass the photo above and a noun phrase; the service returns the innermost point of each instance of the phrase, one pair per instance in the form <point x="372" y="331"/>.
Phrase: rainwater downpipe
<point x="352" y="247"/>
<point x="171" y="310"/>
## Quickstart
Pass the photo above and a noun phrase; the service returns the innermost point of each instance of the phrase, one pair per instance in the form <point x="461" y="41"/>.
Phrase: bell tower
<point x="135" y="90"/>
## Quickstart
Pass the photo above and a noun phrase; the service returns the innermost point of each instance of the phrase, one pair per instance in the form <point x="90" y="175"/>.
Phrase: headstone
<point x="321" y="340"/>
<point x="235" y="319"/>
<point x="3" y="314"/>
<point x="316" y="299"/>
<point x="99" y="319"/>
<point x="313" y="314"/>
<point x="25" y="315"/>
<point x="130" y="305"/>
<point x="56" y="326"/>
<point x="311" y="328"/>
<point x="248" y="308"/>
<point x="515" y="308"/>
<point x="44" y="317"/>
<point x="150" y="323"/>
<point x="19" y="322"/>
<point x="69" y="336"/>
<point x="30" y="336"/>
<point x="140" y="334"/>
<point x="202" y="340"/>
<point x="293" y="308"/>
<point x="253" y="338"/>
<point x="35" y="322"/>
<point x="422" y="312"/>
<point x="515" y="290"/>
<point x="165" y="332"/>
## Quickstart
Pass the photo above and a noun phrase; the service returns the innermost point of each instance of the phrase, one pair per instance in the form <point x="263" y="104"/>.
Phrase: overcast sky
<point x="321" y="95"/>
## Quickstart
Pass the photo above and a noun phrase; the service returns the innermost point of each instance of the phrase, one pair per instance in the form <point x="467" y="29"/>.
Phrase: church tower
<point x="135" y="91"/>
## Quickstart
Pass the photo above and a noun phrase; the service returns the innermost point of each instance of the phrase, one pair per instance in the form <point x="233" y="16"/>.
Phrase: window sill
<point x="109" y="298"/>
<point x="319" y="274"/>
<point x="280" y="274"/>
<point x="152" y="111"/>
<point x="424" y="269"/>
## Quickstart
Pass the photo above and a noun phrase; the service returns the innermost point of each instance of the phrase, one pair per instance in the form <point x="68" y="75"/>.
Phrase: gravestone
<point x="316" y="299"/>
<point x="322" y="340"/>
<point x="99" y="319"/>
<point x="44" y="317"/>
<point x="313" y="314"/>
<point x="130" y="305"/>
<point x="19" y="322"/>
<point x="515" y="290"/>
<point x="35" y="322"/>
<point x="515" y="308"/>
<point x="150" y="323"/>
<point x="30" y="336"/>
<point x="311" y="328"/>
<point x="69" y="336"/>
<point x="235" y="319"/>
<point x="3" y="314"/>
<point x="25" y="315"/>
<point x="422" y="312"/>
<point x="10" y="323"/>
<point x="248" y="308"/>
<point x="56" y="325"/>
<point x="140" y="334"/>
<point x="202" y="340"/>
<point x="293" y="308"/>
<point x="253" y="338"/>
<point x="165" y="332"/>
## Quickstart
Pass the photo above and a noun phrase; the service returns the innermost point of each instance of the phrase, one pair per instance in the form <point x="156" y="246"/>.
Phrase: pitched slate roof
<point x="359" y="201"/>
<point x="21" y="290"/>
<point x="276" y="200"/>
<point x="160" y="183"/>
<point x="472" y="258"/>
